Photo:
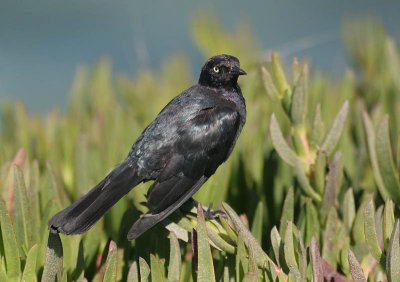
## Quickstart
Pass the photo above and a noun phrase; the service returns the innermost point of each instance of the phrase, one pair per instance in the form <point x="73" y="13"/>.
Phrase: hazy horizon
<point x="43" y="43"/>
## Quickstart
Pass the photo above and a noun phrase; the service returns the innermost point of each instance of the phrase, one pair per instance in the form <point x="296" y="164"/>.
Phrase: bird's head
<point x="221" y="71"/>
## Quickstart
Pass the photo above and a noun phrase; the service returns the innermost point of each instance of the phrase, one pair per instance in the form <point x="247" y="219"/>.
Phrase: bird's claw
<point x="211" y="214"/>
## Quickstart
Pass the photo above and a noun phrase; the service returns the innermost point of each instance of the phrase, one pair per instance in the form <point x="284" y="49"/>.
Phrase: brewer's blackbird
<point x="184" y="145"/>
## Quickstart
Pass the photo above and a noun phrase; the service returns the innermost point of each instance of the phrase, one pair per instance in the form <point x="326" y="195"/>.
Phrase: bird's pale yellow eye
<point x="216" y="69"/>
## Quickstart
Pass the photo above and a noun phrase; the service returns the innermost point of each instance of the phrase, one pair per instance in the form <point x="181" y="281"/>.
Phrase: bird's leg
<point x="188" y="205"/>
<point x="211" y="214"/>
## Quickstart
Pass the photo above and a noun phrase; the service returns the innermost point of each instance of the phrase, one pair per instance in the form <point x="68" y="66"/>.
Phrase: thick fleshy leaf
<point x="388" y="221"/>
<point x="318" y="127"/>
<point x="133" y="274"/>
<point x="332" y="137"/>
<point x="29" y="273"/>
<point x="370" y="232"/>
<point x="320" y="171"/>
<point x="287" y="211"/>
<point x="294" y="274"/>
<point x="256" y="227"/>
<point x="358" y="225"/>
<point x="53" y="258"/>
<point x="205" y="266"/>
<point x="3" y="272"/>
<point x="344" y="256"/>
<point x="393" y="255"/>
<point x="332" y="275"/>
<point x="174" y="267"/>
<point x="304" y="182"/>
<point x="33" y="200"/>
<point x="241" y="259"/>
<point x="330" y="247"/>
<point x="371" y="141"/>
<point x="217" y="241"/>
<point x="280" y="144"/>
<point x="333" y="183"/>
<point x="290" y="256"/>
<point x="349" y="209"/>
<point x="280" y="77"/>
<point x="393" y="61"/>
<point x="301" y="256"/>
<point x="355" y="268"/>
<point x="297" y="111"/>
<point x="156" y="271"/>
<point x="312" y="222"/>
<point x="22" y="213"/>
<point x="144" y="270"/>
<point x="316" y="261"/>
<point x="54" y="191"/>
<point x="385" y="159"/>
<point x="180" y="232"/>
<point x="276" y="245"/>
<point x="110" y="269"/>
<point x="269" y="85"/>
<point x="11" y="250"/>
<point x="379" y="225"/>
<point x="259" y="255"/>
<point x="228" y="229"/>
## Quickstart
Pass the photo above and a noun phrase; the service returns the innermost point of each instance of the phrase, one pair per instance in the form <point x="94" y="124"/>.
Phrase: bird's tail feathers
<point x="85" y="212"/>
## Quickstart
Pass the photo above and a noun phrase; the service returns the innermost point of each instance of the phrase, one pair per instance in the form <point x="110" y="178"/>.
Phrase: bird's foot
<point x="209" y="213"/>
<point x="212" y="214"/>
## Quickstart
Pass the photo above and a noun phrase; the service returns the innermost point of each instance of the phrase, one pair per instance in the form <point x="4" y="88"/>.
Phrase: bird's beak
<point x="237" y="70"/>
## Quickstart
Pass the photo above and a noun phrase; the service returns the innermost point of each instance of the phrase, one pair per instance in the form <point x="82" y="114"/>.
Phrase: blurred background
<point x="43" y="42"/>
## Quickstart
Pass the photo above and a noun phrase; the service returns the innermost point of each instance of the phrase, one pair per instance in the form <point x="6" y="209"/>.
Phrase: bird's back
<point x="155" y="146"/>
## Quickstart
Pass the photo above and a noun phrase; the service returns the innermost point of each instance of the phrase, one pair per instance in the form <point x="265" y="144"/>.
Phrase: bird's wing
<point x="204" y="142"/>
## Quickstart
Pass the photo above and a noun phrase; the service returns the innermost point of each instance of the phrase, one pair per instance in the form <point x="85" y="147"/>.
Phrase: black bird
<point x="188" y="140"/>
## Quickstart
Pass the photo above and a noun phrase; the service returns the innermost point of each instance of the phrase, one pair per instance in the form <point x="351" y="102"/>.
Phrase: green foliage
<point x="315" y="172"/>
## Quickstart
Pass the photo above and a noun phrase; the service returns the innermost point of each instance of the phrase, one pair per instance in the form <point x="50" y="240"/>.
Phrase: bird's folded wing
<point x="205" y="141"/>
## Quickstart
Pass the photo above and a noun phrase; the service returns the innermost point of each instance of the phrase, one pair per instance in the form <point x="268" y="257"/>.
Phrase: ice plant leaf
<point x="332" y="137"/>
<point x="297" y="111"/>
<point x="287" y="211"/>
<point x="280" y="145"/>
<point x="371" y="141"/>
<point x="269" y="85"/>
<point x="205" y="271"/>
<point x="156" y="272"/>
<point x="393" y="255"/>
<point x="11" y="250"/>
<point x="355" y="268"/>
<point x="304" y="182"/>
<point x="22" y="212"/>
<point x="280" y="77"/>
<point x="174" y="267"/>
<point x="385" y="159"/>
<point x="144" y="270"/>
<point x="370" y="232"/>
<point x="53" y="258"/>
<point x="256" y="227"/>
<point x="259" y="255"/>
<point x="133" y="275"/>
<point x="316" y="261"/>
<point x="290" y="256"/>
<point x="110" y="270"/>
<point x="29" y="273"/>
